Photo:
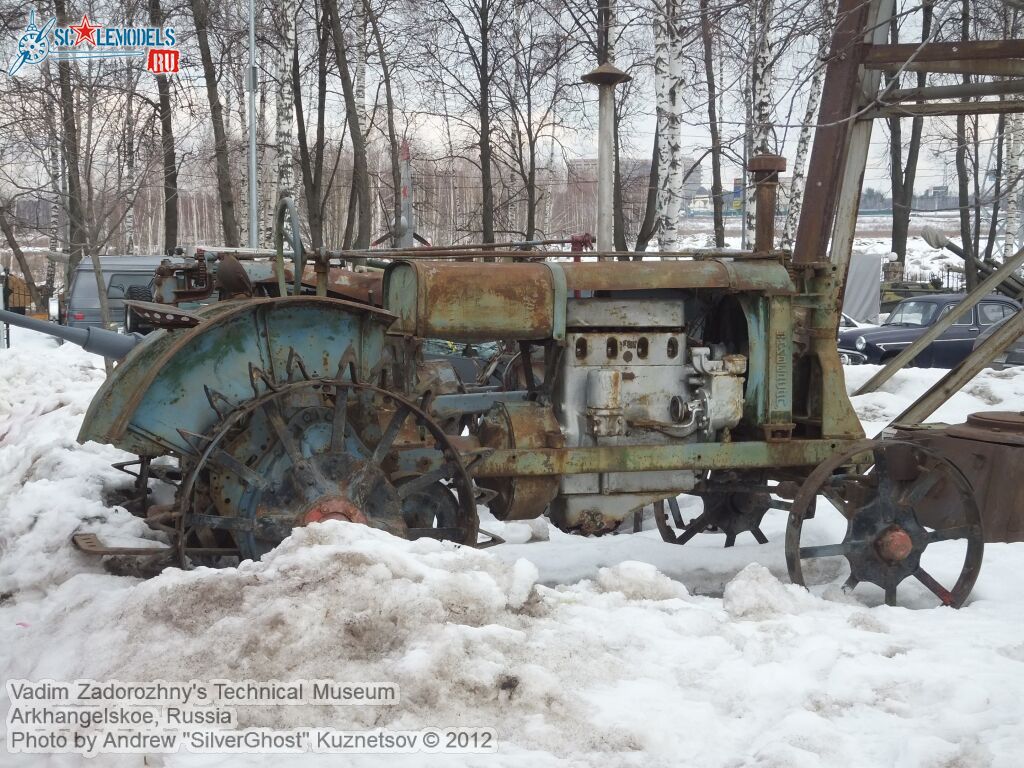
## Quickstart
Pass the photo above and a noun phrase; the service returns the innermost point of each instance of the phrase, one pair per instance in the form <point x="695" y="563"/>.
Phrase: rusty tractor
<point x="711" y="373"/>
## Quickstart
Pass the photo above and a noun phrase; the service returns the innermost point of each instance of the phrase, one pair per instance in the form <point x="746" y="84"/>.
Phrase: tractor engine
<point x="606" y="368"/>
<point x="629" y="377"/>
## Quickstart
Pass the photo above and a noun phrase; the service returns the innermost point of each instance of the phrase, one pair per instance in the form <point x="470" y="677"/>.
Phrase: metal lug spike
<point x="214" y="397"/>
<point x="295" y="361"/>
<point x="348" y="364"/>
<point x="256" y="375"/>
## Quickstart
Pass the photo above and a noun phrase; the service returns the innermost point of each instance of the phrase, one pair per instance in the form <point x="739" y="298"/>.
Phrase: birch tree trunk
<point x="549" y="178"/>
<point x="56" y="176"/>
<point x="54" y="244"/>
<point x="668" y="85"/>
<point x="962" y="172"/>
<point x="285" y="104"/>
<point x="267" y="177"/>
<point x="129" y="141"/>
<point x="1012" y="145"/>
<point x="761" y="84"/>
<point x="359" y="43"/>
<point x="796" y="186"/>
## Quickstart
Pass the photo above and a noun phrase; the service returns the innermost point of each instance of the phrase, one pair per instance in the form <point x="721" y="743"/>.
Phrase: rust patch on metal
<point x="528" y="426"/>
<point x="988" y="450"/>
<point x="894" y="545"/>
<point x="334" y="508"/>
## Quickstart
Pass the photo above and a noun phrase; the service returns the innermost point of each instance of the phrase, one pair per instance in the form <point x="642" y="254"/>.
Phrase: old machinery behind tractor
<point x="628" y="383"/>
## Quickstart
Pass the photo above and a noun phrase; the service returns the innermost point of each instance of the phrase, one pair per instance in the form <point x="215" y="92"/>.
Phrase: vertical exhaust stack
<point x="606" y="77"/>
<point x="766" y="170"/>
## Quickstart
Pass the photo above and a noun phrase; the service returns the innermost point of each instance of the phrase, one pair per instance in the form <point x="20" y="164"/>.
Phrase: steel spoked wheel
<point x="312" y="449"/>
<point x="729" y="508"/>
<point x="893" y="522"/>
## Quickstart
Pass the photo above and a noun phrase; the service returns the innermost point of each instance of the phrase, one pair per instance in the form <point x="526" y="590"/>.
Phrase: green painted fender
<point x="162" y="385"/>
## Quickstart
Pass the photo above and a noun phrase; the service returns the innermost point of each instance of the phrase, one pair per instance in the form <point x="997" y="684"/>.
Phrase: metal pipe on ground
<point x="985" y="287"/>
<point x="970" y="367"/>
<point x="98" y="341"/>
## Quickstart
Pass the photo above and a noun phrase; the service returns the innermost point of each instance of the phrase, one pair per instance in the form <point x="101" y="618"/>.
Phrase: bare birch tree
<point x="762" y="84"/>
<point x="668" y="86"/>
<point x="798" y="179"/>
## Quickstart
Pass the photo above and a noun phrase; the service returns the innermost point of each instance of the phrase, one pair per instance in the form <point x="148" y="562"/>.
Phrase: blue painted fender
<point x="161" y="386"/>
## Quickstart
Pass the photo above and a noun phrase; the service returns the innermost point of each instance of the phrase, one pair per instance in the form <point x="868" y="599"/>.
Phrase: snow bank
<point x="629" y="668"/>
<point x="756" y="594"/>
<point x="990" y="390"/>
<point x="577" y="651"/>
<point x="50" y="486"/>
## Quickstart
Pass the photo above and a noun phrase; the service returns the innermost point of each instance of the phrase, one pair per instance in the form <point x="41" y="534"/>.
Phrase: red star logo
<point x="85" y="32"/>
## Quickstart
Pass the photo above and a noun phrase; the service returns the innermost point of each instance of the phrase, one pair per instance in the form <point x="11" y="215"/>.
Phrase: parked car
<point x="845" y="321"/>
<point x="125" y="277"/>
<point x="1012" y="355"/>
<point x="911" y="318"/>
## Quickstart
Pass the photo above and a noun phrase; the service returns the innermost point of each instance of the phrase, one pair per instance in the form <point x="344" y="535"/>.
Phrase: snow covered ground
<point x="620" y="650"/>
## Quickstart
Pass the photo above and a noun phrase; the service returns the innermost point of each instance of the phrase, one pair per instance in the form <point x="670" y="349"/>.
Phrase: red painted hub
<point x="894" y="544"/>
<point x="334" y="508"/>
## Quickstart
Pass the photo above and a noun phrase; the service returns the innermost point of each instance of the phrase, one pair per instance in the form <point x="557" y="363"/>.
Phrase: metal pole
<point x="606" y="77"/>
<point x="965" y="306"/>
<point x="253" y="206"/>
<point x="605" y="169"/>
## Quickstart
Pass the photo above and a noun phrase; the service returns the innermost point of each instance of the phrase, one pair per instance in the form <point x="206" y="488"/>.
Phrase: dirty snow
<point x="619" y="650"/>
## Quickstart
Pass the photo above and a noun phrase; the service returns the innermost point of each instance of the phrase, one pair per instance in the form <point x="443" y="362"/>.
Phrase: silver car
<point x="124" y="277"/>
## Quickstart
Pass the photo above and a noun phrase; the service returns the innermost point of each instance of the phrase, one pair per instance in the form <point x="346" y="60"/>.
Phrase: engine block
<point x="628" y="377"/>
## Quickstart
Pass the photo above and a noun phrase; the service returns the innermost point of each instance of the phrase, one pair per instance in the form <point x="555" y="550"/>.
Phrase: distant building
<point x="579" y="205"/>
<point x="636" y="174"/>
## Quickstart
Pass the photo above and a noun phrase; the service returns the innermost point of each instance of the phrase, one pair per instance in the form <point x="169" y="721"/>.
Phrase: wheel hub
<point x="345" y="488"/>
<point x="334" y="508"/>
<point x="894" y="544"/>
<point x="886" y="543"/>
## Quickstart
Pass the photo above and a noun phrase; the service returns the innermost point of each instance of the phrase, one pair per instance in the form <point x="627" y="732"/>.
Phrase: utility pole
<point x="254" y="225"/>
<point x="606" y="76"/>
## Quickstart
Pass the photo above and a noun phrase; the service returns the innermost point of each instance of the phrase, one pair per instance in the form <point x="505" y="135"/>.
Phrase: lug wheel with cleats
<point x="310" y="449"/>
<point x="909" y="513"/>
